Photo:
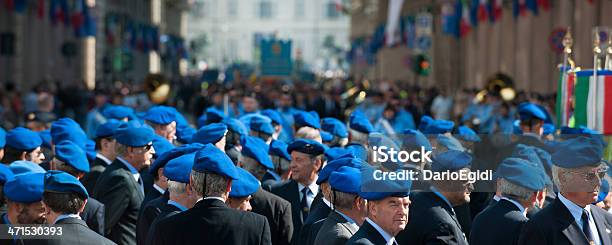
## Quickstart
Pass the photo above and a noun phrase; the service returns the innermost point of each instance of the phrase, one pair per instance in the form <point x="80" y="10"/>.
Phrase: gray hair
<point x="309" y="133"/>
<point x="514" y="191"/>
<point x="215" y="184"/>
<point x="120" y="149"/>
<point x="358" y="137"/>
<point x="252" y="166"/>
<point x="176" y="187"/>
<point x="343" y="200"/>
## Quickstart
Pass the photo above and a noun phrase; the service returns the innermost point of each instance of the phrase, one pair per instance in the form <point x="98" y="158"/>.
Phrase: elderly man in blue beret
<point x="163" y="120"/>
<point x="213" y="133"/>
<point x="572" y="218"/>
<point x="24" y="200"/>
<point x="211" y="220"/>
<point x="23" y="144"/>
<point x="432" y="216"/>
<point x="242" y="190"/>
<point x="105" y="153"/>
<point x="281" y="159"/>
<point x="120" y="187"/>
<point x="337" y="129"/>
<point x="277" y="121"/>
<point x="520" y="182"/>
<point x="65" y="198"/>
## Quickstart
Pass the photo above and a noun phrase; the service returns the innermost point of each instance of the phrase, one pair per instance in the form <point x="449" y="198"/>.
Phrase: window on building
<point x="232" y="8"/>
<point x="300" y="9"/>
<point x="331" y="10"/>
<point x="265" y="9"/>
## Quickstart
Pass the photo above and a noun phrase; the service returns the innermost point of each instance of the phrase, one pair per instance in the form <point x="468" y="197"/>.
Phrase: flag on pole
<point x="565" y="91"/>
<point x="393" y="16"/>
<point x="464" y="24"/>
<point x="495" y="10"/>
<point x="483" y="11"/>
<point x="450" y="18"/>
<point x="544" y="4"/>
<point x="519" y="7"/>
<point x="594" y="100"/>
<point x="533" y="6"/>
<point x="78" y="15"/>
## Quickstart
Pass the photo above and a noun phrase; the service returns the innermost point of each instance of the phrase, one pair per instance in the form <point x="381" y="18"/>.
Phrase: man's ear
<point x="228" y="188"/>
<point x="24" y="156"/>
<point x="318" y="164"/>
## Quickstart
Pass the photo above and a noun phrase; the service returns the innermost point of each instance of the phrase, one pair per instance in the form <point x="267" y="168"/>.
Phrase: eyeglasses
<point x="596" y="173"/>
<point x="148" y="147"/>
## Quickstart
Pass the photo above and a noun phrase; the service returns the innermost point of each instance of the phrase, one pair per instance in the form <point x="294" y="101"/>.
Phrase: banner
<point x="594" y="100"/>
<point x="276" y="58"/>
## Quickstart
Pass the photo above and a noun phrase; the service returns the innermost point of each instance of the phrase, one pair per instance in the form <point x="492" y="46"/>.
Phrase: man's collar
<point x="380" y="230"/>
<point x="161" y="190"/>
<point x="103" y="158"/>
<point x="314" y="188"/>
<point x="517" y="204"/>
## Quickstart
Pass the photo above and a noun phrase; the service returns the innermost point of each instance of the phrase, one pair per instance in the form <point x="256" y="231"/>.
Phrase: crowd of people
<point x="280" y="162"/>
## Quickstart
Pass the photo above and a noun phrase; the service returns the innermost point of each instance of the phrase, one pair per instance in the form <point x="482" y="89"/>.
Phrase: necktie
<point x="585" y="226"/>
<point x="141" y="185"/>
<point x="304" y="203"/>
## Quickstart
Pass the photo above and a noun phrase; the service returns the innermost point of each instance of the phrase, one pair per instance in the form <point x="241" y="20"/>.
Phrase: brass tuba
<point x="157" y="88"/>
<point x="498" y="84"/>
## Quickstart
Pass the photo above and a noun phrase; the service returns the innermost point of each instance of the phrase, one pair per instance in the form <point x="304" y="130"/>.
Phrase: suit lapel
<point x="342" y="221"/>
<point x="602" y="226"/>
<point x="294" y="195"/>
<point x="372" y="234"/>
<point x="571" y="230"/>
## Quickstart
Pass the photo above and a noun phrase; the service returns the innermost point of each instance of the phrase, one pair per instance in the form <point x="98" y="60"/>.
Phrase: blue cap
<point x="326" y="137"/>
<point x="523" y="173"/>
<point x="161" y="145"/>
<point x="260" y="124"/>
<point x="568" y="133"/>
<point x="450" y="160"/>
<point x="173" y="153"/>
<point x="359" y="151"/>
<point x="334" y="126"/>
<point x="210" y="133"/>
<point x="5" y="174"/>
<point x="23" y="139"/>
<point x="549" y="128"/>
<point x="449" y="142"/>
<point x="336" y="152"/>
<point x="20" y="167"/>
<point x="604" y="189"/>
<point x="66" y="129"/>
<point x="273" y="115"/>
<point x="414" y="139"/>
<point x="90" y="150"/>
<point x="62" y="182"/>
<point x="467" y="134"/>
<point x="130" y="134"/>
<point x="235" y="125"/>
<point x="528" y="110"/>
<point x="257" y="149"/>
<point x="107" y="129"/>
<point x="2" y="138"/>
<point x="526" y="152"/>
<point x="211" y="159"/>
<point x="184" y="133"/>
<point x="359" y="122"/>
<point x="439" y="127"/>
<point x="45" y="136"/>
<point x="118" y="112"/>
<point x="306" y="146"/>
<point x="160" y="115"/>
<point x="335" y="165"/>
<point x="245" y="185"/>
<point x="25" y="188"/>
<point x="346" y="179"/>
<point x="578" y="152"/>
<point x="372" y="189"/>
<point x="306" y="119"/>
<point x="179" y="169"/>
<point x="279" y="148"/>
<point x="425" y="121"/>
<point x="73" y="155"/>
<point x="213" y="115"/>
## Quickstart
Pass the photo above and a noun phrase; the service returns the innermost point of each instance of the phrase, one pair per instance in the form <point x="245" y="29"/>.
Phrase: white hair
<point x="509" y="189"/>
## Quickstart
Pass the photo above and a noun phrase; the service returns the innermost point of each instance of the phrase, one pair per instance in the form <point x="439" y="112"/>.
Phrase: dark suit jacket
<point x="269" y="179"/>
<point x="500" y="224"/>
<point x="554" y="224"/>
<point x="122" y="197"/>
<point x="367" y="235"/>
<point x="147" y="215"/>
<point x="4" y="229"/>
<point x="335" y="230"/>
<point x="314" y="221"/>
<point x="289" y="191"/>
<point x="93" y="215"/>
<point x="75" y="231"/>
<point x="278" y="213"/>
<point x="210" y="221"/>
<point x="167" y="210"/>
<point x="431" y="221"/>
<point x="95" y="170"/>
<point x="152" y="194"/>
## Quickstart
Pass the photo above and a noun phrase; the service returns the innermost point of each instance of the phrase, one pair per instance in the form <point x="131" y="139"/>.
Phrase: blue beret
<point x="526" y="152"/>
<point x="179" y="118"/>
<point x="214" y="115"/>
<point x="548" y="118"/>
<point x="379" y="139"/>
<point x="568" y="133"/>
<point x="334" y="126"/>
<point x="306" y="146"/>
<point x="315" y="115"/>
<point x="336" y="164"/>
<point x="25" y="188"/>
<point x="359" y="122"/>
<point x="235" y="125"/>
<point x="425" y="121"/>
<point x="372" y="189"/>
<point x="179" y="169"/>
<point x="336" y="152"/>
<point x="359" y="151"/>
<point x="201" y="121"/>
<point x="528" y="110"/>
<point x="439" y="127"/>
<point x="523" y="173"/>
<point x="414" y="139"/>
<point x="279" y="148"/>
<point x="449" y="142"/>
<point x="260" y="124"/>
<point x="160" y="115"/>
<point x="118" y="112"/>
<point x="5" y="174"/>
<point x="467" y="134"/>
<point x="73" y="155"/>
<point x="20" y="167"/>
<point x="257" y="149"/>
<point x="604" y="189"/>
<point x="62" y="182"/>
<point x="578" y="152"/>
<point x="210" y="133"/>
<point x="107" y="129"/>
<point x="549" y="129"/>
<point x="178" y="151"/>
<point x="450" y="160"/>
<point x="273" y="115"/>
<point x="90" y="150"/>
<point x="130" y="134"/>
<point x="23" y="139"/>
<point x="45" y="136"/>
<point x="305" y="119"/>
<point x="161" y="145"/>
<point x="245" y="185"/>
<point x="326" y="137"/>
<point x="346" y="179"/>
<point x="66" y="129"/>
<point x="184" y="133"/>
<point x="2" y="138"/>
<point x="211" y="159"/>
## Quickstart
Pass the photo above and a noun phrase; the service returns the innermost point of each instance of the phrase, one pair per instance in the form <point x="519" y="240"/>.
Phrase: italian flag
<point x="464" y="24"/>
<point x="594" y="100"/>
<point x="565" y="91"/>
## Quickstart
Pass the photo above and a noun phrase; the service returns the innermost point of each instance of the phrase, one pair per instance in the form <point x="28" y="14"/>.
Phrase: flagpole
<point x="567" y="50"/>
<point x="596" y="53"/>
